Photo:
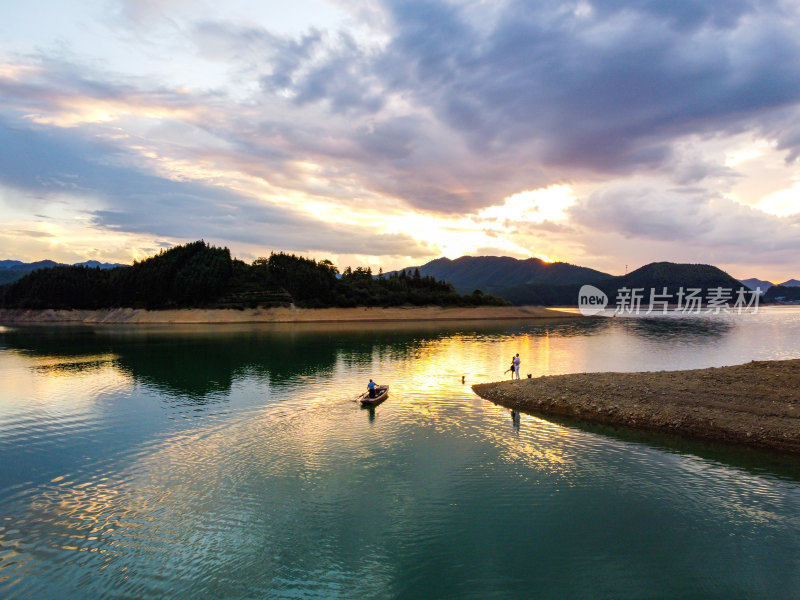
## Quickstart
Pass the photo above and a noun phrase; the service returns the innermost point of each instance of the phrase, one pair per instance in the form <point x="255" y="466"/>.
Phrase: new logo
<point x="591" y="301"/>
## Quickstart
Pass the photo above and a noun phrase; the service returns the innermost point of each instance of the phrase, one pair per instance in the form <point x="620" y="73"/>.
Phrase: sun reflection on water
<point x="152" y="482"/>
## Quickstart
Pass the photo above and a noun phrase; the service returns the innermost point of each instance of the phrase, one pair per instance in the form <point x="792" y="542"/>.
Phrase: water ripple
<point x="119" y="485"/>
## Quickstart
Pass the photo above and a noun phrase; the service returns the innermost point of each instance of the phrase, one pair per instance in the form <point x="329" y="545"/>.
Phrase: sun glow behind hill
<point x="492" y="227"/>
<point x="532" y="206"/>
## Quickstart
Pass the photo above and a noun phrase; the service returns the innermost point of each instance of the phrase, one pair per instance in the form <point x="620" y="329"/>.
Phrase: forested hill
<point x="200" y="275"/>
<point x="783" y="294"/>
<point x="673" y="275"/>
<point x="491" y="274"/>
<point x="655" y="276"/>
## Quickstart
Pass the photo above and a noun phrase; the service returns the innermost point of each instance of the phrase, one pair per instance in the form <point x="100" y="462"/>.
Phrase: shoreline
<point x="187" y="316"/>
<point x="755" y="404"/>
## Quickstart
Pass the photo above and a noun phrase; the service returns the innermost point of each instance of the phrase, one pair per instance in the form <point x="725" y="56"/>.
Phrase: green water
<point x="234" y="462"/>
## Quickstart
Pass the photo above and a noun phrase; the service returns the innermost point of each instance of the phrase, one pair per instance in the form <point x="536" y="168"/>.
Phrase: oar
<point x="358" y="398"/>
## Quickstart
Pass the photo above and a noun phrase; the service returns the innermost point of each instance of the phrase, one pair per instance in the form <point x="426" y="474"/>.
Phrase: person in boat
<point x="371" y="388"/>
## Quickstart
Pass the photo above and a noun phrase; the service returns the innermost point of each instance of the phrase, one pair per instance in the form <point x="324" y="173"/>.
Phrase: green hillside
<point x="782" y="294"/>
<point x="199" y="275"/>
<point x="663" y="278"/>
<point x="490" y="274"/>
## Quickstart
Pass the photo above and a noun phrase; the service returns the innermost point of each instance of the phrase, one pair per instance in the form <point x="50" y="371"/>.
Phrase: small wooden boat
<point x="381" y="391"/>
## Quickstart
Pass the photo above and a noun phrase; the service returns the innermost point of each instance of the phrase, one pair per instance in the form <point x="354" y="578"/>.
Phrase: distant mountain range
<point x="663" y="279"/>
<point x="753" y="283"/>
<point x="527" y="281"/>
<point x="533" y="281"/>
<point x="11" y="270"/>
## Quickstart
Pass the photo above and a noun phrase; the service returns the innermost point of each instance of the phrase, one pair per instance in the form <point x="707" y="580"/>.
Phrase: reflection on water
<point x="236" y="462"/>
<point x="687" y="329"/>
<point x="197" y="362"/>
<point x="200" y="363"/>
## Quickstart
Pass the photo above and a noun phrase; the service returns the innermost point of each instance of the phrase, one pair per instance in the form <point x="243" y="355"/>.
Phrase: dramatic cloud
<point x="690" y="220"/>
<point x="609" y="88"/>
<point x="136" y="202"/>
<point x="673" y="125"/>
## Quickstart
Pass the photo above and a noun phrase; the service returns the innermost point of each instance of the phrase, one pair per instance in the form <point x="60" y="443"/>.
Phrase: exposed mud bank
<point x="756" y="404"/>
<point x="277" y="315"/>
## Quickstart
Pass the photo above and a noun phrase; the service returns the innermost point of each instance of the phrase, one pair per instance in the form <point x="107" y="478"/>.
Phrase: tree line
<point x="200" y="275"/>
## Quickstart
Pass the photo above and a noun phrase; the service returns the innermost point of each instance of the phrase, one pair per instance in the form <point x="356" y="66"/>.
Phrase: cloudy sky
<point x="605" y="133"/>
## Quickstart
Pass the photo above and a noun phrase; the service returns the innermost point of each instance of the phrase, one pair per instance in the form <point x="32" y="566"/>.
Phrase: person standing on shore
<point x="511" y="368"/>
<point x="516" y="362"/>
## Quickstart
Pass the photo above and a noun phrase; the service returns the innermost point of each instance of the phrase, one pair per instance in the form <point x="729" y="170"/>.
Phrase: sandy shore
<point x="756" y="404"/>
<point x="277" y="315"/>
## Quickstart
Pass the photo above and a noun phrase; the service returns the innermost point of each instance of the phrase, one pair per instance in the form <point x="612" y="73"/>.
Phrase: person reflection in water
<point x="515" y="418"/>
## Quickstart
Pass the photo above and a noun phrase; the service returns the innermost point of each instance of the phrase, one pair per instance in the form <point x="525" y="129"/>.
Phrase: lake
<point x="233" y="461"/>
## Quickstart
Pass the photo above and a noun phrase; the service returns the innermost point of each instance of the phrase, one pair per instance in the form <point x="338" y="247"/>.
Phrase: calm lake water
<point x="233" y="462"/>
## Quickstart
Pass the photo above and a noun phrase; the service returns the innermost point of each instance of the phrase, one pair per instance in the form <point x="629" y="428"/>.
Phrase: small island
<point x="755" y="404"/>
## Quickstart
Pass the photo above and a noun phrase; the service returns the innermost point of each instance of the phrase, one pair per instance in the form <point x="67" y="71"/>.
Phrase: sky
<point x="385" y="133"/>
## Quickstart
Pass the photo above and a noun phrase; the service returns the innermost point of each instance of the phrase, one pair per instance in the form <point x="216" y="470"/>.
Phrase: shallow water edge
<point x="277" y="315"/>
<point x="755" y="404"/>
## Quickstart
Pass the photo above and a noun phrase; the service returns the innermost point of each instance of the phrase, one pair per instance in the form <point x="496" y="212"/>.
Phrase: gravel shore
<point x="279" y="315"/>
<point x="756" y="404"/>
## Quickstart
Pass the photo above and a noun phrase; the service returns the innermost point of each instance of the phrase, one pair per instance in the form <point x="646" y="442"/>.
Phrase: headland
<point x="755" y="404"/>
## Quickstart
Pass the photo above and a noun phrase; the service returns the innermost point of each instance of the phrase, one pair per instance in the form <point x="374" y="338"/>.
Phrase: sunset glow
<point x="388" y="136"/>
